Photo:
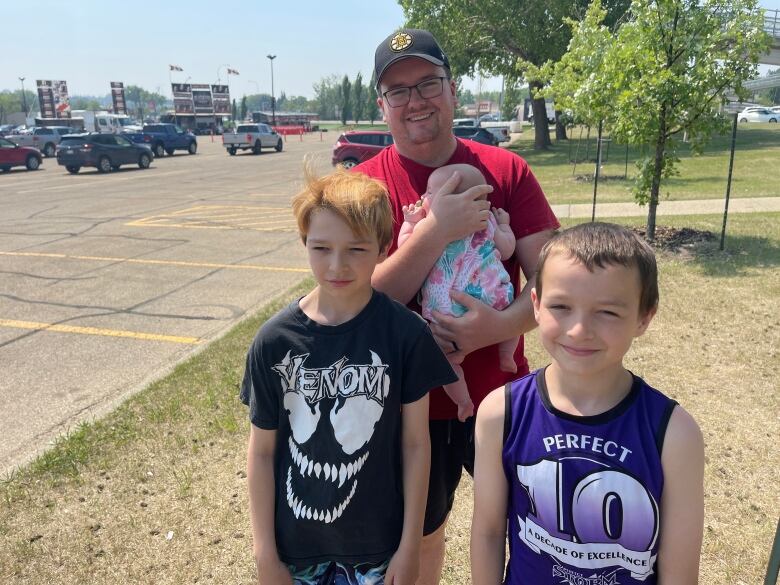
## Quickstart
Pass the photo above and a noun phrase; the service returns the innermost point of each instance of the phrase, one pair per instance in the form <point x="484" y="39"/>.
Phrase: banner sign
<point x="118" y="97"/>
<point x="182" y="98"/>
<point x="201" y="98"/>
<point x="221" y="96"/>
<point x="53" y="98"/>
<point x="46" y="98"/>
<point x="61" y="99"/>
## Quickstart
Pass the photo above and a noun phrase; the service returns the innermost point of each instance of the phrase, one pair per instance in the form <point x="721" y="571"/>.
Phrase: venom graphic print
<point x="333" y="412"/>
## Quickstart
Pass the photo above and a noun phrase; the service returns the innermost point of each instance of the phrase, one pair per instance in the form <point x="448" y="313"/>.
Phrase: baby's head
<point x="470" y="176"/>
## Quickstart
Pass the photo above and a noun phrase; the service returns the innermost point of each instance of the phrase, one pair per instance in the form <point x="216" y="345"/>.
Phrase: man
<point x="417" y="99"/>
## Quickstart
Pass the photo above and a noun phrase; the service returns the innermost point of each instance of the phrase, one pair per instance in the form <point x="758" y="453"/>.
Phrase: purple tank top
<point x="584" y="491"/>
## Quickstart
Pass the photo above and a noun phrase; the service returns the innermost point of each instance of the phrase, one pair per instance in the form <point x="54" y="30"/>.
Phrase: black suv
<point x="476" y="134"/>
<point x="107" y="152"/>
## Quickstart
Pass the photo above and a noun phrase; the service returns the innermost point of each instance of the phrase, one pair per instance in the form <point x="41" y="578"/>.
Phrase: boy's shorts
<point x="333" y="573"/>
<point x="452" y="450"/>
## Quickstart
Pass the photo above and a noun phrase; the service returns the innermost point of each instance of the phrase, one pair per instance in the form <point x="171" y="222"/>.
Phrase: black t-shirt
<point x="334" y="396"/>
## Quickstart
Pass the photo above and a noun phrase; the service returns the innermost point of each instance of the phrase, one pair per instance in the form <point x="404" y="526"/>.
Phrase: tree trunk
<point x="655" y="186"/>
<point x="560" y="127"/>
<point x="541" y="126"/>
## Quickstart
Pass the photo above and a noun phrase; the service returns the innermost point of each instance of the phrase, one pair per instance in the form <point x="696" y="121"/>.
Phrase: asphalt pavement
<point x="108" y="281"/>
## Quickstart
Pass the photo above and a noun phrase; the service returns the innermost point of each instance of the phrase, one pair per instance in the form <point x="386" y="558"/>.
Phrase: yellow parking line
<point x="97" y="331"/>
<point x="156" y="262"/>
<point x="205" y="227"/>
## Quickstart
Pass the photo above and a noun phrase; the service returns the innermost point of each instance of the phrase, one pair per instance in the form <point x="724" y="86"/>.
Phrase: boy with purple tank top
<point x="596" y="476"/>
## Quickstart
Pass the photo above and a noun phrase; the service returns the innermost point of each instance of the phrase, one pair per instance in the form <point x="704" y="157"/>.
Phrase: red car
<point x="12" y="155"/>
<point x="352" y="148"/>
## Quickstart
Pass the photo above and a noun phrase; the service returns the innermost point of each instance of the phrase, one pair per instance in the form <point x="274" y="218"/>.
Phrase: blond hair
<point x="362" y="202"/>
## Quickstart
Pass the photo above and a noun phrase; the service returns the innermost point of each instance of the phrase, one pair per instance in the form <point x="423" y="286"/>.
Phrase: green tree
<point x="243" y="108"/>
<point x="11" y="102"/>
<point x="299" y="103"/>
<point x="504" y="37"/>
<point x="78" y="102"/>
<point x="358" y="97"/>
<point x="326" y="93"/>
<point x="372" y="109"/>
<point x="259" y="102"/>
<point x="139" y="99"/>
<point x="514" y="95"/>
<point x="346" y="100"/>
<point x="662" y="74"/>
<point x="281" y="102"/>
<point x="466" y="97"/>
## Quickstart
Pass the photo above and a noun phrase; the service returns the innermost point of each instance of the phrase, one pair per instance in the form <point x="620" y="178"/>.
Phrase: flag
<point x="232" y="71"/>
<point x="175" y="68"/>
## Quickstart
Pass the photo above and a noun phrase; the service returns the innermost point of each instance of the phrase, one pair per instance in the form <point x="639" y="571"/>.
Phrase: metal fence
<point x="772" y="22"/>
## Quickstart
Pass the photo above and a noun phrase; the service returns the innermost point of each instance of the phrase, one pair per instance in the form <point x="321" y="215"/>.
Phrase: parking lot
<point x="108" y="280"/>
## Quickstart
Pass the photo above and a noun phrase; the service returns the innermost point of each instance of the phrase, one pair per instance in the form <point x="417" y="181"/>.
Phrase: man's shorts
<point x="333" y="573"/>
<point x="452" y="450"/>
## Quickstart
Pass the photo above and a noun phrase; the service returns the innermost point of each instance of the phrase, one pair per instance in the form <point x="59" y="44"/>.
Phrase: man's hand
<point x="404" y="567"/>
<point x="456" y="215"/>
<point x="480" y="327"/>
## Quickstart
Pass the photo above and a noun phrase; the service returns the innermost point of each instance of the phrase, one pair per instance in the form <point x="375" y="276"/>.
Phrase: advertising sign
<point x="46" y="98"/>
<point x="118" y="97"/>
<point x="61" y="99"/>
<point x="201" y="98"/>
<point x="182" y="98"/>
<point x="221" y="96"/>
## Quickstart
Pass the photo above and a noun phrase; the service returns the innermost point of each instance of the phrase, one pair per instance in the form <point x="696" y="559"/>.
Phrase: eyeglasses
<point x="428" y="89"/>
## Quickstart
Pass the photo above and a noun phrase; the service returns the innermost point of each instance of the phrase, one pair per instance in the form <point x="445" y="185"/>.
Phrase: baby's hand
<point x="502" y="217"/>
<point x="413" y="212"/>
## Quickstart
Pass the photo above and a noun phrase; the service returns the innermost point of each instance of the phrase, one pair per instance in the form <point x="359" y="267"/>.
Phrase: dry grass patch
<point x="156" y="492"/>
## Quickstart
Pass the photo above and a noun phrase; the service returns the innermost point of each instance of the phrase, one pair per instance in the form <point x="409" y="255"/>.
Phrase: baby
<point x="471" y="265"/>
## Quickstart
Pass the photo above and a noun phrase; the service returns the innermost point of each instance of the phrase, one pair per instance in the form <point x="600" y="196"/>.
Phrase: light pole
<point x="273" y="98"/>
<point x="219" y="79"/>
<point x="24" y="100"/>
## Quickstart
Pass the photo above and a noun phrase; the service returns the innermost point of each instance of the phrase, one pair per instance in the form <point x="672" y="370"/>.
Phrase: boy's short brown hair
<point x="599" y="244"/>
<point x="359" y="200"/>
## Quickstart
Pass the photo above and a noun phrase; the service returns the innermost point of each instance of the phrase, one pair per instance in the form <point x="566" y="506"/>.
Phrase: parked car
<point x="168" y="138"/>
<point x="352" y="148"/>
<point x="489" y="117"/>
<point x="775" y="110"/>
<point x="6" y="129"/>
<point x="107" y="152"/>
<point x="13" y="155"/>
<point x="465" y="122"/>
<point x="476" y="134"/>
<point x="43" y="138"/>
<point x="500" y="132"/>
<point x="252" y="136"/>
<point x="758" y="115"/>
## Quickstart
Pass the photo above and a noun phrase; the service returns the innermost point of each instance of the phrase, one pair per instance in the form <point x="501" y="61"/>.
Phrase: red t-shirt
<point x="516" y="190"/>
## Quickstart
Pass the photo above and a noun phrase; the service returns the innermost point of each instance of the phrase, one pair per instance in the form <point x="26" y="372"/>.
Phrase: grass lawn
<point x="755" y="174"/>
<point x="156" y="491"/>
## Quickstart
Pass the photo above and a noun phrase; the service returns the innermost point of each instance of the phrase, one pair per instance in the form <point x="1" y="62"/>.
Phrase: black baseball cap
<point x="404" y="43"/>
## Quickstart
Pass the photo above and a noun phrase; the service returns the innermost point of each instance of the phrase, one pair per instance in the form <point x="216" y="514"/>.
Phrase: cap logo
<point x="400" y="41"/>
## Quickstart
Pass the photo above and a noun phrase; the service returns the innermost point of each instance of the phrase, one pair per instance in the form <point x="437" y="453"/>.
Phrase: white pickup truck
<point x="500" y="130"/>
<point x="43" y="138"/>
<point x="252" y="136"/>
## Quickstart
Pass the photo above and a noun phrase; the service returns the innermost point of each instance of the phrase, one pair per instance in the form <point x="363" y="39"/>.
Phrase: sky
<point x="90" y="43"/>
